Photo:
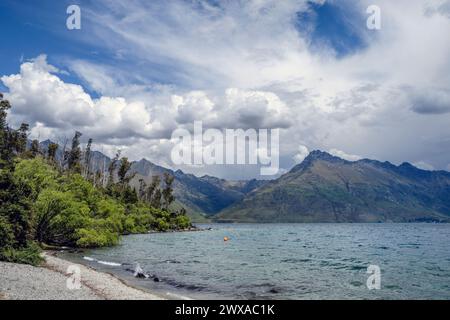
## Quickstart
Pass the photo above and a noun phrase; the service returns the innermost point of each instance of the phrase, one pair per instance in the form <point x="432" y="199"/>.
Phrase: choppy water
<point x="288" y="261"/>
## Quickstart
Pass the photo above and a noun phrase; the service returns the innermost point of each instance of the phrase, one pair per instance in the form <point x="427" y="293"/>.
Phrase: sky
<point x="138" y="70"/>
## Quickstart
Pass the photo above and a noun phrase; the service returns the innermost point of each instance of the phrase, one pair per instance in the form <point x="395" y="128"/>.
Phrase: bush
<point x="35" y="174"/>
<point x="182" y="222"/>
<point x="40" y="204"/>
<point x="89" y="238"/>
<point x="31" y="254"/>
<point x="162" y="225"/>
<point x="82" y="190"/>
<point x="6" y="233"/>
<point x="57" y="217"/>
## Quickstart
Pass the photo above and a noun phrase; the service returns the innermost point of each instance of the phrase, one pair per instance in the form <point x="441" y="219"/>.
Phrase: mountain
<point x="202" y="197"/>
<point x="206" y="195"/>
<point x="325" y="188"/>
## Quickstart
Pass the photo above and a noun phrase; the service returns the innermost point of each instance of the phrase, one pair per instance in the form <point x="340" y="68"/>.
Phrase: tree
<point x="15" y="205"/>
<point x="142" y="188"/>
<point x="87" y="159"/>
<point x="167" y="192"/>
<point x="41" y="204"/>
<point x="112" y="169"/>
<point x="34" y="151"/>
<point x="156" y="180"/>
<point x="4" y="130"/>
<point x="51" y="152"/>
<point x="65" y="154"/>
<point x="22" y="138"/>
<point x="156" y="199"/>
<point x="124" y="167"/>
<point x="74" y="156"/>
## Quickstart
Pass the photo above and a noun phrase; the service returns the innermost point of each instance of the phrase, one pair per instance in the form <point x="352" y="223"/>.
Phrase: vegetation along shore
<point x="47" y="200"/>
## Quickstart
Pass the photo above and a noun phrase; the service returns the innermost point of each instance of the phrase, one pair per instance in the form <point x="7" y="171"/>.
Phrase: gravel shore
<point x="49" y="282"/>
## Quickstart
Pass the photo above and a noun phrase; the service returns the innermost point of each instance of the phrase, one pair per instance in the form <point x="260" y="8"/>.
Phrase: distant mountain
<point x="202" y="197"/>
<point x="324" y="188"/>
<point x="206" y="195"/>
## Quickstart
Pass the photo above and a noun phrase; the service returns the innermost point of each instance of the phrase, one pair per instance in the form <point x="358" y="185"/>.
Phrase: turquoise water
<point x="287" y="261"/>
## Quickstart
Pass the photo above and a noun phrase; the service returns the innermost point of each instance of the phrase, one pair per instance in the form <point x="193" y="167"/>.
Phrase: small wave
<point x="107" y="263"/>
<point x="172" y="261"/>
<point x="88" y="258"/>
<point x="294" y="260"/>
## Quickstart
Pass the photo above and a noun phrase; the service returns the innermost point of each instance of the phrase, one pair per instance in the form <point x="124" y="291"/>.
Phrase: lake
<point x="286" y="261"/>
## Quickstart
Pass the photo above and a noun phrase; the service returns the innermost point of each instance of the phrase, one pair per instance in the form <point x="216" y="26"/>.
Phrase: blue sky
<point x="310" y="68"/>
<point x="30" y="30"/>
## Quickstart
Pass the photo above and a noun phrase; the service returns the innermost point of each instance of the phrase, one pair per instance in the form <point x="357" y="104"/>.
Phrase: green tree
<point x="51" y="152"/>
<point x="111" y="171"/>
<point x="5" y="152"/>
<point x="156" y="199"/>
<point x="142" y="188"/>
<point x="22" y="137"/>
<point x="167" y="192"/>
<point x="74" y="156"/>
<point x="87" y="159"/>
<point x="34" y="150"/>
<point x="151" y="189"/>
<point x="124" y="167"/>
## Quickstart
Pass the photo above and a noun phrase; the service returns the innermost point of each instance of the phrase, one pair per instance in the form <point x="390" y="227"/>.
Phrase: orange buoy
<point x="225" y="239"/>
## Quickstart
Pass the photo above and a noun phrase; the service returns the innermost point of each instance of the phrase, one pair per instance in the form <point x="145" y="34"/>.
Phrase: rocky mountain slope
<point x="324" y="188"/>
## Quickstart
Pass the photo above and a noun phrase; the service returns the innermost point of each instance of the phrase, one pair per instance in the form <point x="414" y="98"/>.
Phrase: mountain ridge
<point x="326" y="188"/>
<point x="200" y="196"/>
<point x="338" y="190"/>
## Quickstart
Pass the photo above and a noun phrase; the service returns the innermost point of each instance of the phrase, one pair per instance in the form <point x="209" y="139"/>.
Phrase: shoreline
<point x="49" y="282"/>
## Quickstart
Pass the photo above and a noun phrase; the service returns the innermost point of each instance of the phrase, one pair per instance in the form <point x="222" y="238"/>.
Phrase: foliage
<point x="46" y="202"/>
<point x="30" y="254"/>
<point x="167" y="193"/>
<point x="74" y="156"/>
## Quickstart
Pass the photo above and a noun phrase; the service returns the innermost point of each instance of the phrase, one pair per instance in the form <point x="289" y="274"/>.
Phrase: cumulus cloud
<point x="301" y="154"/>
<point x="343" y="155"/>
<point x="247" y="65"/>
<point x="40" y="97"/>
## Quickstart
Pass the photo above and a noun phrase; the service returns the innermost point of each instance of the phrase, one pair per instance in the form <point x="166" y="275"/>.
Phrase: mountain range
<point x="325" y="188"/>
<point x="322" y="188"/>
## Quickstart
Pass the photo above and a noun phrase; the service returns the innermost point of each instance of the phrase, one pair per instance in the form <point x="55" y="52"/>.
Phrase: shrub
<point x="162" y="225"/>
<point x="182" y="222"/>
<point x="36" y="174"/>
<point x="31" y="254"/>
<point x="89" y="238"/>
<point x="58" y="216"/>
<point x="6" y="233"/>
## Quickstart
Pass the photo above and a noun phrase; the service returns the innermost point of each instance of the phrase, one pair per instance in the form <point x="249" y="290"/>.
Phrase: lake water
<point x="286" y="261"/>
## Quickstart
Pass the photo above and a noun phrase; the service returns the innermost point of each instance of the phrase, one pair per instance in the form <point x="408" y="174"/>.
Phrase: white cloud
<point x="244" y="64"/>
<point x="367" y="102"/>
<point x="301" y="154"/>
<point x="40" y="97"/>
<point x="343" y="155"/>
<point x="423" y="165"/>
